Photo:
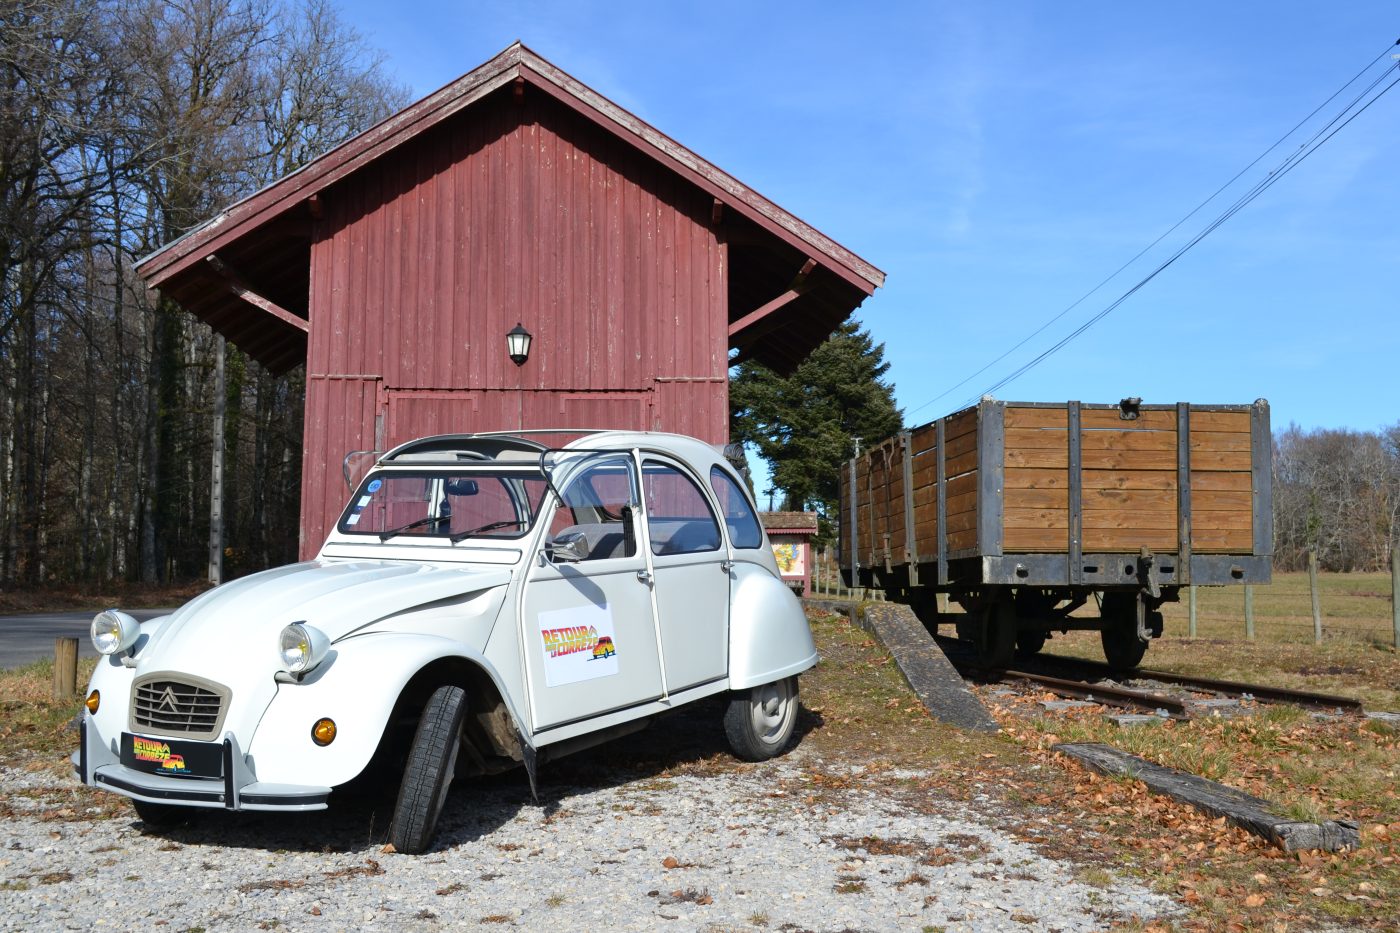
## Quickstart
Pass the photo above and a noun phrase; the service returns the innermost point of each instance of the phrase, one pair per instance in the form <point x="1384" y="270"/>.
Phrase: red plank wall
<point x="514" y="211"/>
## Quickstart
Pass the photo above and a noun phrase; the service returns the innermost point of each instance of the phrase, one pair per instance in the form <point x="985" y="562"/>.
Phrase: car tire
<point x="161" y="815"/>
<point x="428" y="772"/>
<point x="759" y="722"/>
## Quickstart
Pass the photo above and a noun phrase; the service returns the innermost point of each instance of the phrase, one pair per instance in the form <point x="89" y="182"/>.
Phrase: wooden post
<point x="1249" y="612"/>
<point x="1191" y="613"/>
<point x="65" y="668"/>
<point x="1316" y="603"/>
<point x="1395" y="592"/>
<point x="216" y="467"/>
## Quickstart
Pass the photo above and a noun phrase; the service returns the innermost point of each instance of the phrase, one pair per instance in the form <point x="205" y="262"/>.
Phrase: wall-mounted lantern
<point x="518" y="344"/>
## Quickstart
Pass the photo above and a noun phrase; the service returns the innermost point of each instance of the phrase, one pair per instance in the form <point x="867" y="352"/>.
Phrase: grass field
<point x="1355" y="606"/>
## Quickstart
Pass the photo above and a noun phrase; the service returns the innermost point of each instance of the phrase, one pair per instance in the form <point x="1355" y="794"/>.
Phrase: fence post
<point x="1191" y="604"/>
<point x="65" y="668"/>
<point x="1249" y="612"/>
<point x="1316" y="604"/>
<point x="1395" y="592"/>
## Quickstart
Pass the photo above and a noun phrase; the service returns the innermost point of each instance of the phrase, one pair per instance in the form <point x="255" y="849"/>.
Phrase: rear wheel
<point x="432" y="761"/>
<point x="759" y="722"/>
<point x="1121" y="645"/>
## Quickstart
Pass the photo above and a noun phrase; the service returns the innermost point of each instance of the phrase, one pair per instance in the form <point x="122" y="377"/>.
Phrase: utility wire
<point x="1168" y="232"/>
<point x="1274" y="176"/>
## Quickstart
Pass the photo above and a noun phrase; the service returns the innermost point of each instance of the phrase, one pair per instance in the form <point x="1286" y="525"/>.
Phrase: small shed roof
<point x="789" y="521"/>
<point x="246" y="271"/>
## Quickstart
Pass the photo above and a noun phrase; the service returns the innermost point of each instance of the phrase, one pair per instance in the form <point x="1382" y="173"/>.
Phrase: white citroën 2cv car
<point x="484" y="602"/>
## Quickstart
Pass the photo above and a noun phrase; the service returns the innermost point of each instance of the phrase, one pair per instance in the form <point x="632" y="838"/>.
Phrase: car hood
<point x="238" y="623"/>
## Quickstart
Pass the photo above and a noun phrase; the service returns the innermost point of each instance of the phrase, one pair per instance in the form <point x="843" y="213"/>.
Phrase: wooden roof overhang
<point x="246" y="271"/>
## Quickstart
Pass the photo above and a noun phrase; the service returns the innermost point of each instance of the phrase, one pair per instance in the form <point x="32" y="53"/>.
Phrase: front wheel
<point x="158" y="816"/>
<point x="432" y="761"/>
<point x="759" y="722"/>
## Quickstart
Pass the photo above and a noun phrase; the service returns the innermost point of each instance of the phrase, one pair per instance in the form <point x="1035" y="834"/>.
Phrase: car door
<point x="589" y="627"/>
<point x="691" y="567"/>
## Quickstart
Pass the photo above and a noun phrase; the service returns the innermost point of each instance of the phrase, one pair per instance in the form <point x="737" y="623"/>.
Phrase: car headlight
<point x="114" y="631"/>
<point x="302" y="647"/>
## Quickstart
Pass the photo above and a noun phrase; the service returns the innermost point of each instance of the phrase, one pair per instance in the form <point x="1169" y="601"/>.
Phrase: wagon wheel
<point x="995" y="638"/>
<point x="1034" y="605"/>
<point x="1121" y="645"/>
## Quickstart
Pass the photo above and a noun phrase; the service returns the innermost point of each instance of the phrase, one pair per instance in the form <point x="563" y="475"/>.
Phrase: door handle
<point x="726" y="565"/>
<point x="644" y="576"/>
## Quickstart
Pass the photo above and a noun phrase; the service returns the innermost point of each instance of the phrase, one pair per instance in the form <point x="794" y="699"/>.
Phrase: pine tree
<point x="804" y="424"/>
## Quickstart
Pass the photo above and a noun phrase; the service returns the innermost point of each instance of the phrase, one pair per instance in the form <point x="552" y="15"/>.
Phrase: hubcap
<point x="770" y="708"/>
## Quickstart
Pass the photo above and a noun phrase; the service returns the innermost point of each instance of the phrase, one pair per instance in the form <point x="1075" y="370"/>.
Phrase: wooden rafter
<point x="795" y="290"/>
<point x="235" y="284"/>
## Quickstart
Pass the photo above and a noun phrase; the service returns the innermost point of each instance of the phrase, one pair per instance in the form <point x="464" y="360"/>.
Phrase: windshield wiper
<point x="491" y="526"/>
<point x="386" y="535"/>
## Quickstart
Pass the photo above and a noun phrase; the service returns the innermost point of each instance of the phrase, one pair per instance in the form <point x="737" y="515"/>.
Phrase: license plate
<point x="172" y="757"/>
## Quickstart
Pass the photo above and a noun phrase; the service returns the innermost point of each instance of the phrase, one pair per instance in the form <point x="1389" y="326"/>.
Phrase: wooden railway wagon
<point x="1023" y="512"/>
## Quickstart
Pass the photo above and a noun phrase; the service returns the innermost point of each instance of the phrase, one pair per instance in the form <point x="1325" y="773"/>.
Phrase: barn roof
<point x="246" y="271"/>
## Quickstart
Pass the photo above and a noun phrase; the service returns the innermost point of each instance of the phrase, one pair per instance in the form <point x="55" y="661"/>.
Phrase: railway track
<point x="1152" y="691"/>
<point x="1227" y="688"/>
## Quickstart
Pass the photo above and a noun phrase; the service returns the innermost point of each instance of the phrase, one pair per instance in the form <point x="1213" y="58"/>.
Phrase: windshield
<point x="454" y="504"/>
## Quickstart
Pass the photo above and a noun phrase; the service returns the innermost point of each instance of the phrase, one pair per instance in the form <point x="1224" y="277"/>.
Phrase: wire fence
<point x="1297" y="607"/>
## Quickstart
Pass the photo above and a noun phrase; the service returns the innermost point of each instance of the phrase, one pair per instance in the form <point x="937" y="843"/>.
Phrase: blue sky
<point x="998" y="160"/>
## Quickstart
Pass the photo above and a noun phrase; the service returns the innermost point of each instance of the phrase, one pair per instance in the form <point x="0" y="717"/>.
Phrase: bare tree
<point x="1337" y="492"/>
<point x="124" y="123"/>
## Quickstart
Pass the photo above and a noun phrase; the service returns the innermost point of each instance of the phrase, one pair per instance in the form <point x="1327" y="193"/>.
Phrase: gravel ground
<point x="609" y="847"/>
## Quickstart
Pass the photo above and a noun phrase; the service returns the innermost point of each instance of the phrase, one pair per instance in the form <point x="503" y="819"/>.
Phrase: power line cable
<point x="1168" y="232"/>
<point x="1273" y="177"/>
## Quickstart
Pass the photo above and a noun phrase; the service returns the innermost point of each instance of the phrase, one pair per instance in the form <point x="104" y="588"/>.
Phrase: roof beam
<point x="753" y="317"/>
<point x="794" y="291"/>
<point x="236" y="285"/>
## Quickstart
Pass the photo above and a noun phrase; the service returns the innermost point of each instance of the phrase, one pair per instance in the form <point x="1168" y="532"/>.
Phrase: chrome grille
<point x="177" y="706"/>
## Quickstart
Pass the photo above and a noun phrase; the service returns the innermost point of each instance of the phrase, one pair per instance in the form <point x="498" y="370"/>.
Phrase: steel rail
<point x="1229" y="687"/>
<point x="1109" y="696"/>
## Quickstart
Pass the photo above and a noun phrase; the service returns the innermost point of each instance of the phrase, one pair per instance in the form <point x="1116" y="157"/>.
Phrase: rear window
<point x="739" y="518"/>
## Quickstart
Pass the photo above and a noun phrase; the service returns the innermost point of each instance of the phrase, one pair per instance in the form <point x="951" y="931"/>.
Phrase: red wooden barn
<point x="394" y="265"/>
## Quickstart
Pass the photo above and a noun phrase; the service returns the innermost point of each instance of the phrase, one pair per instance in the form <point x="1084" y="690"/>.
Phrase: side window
<point x="743" y="525"/>
<point x="678" y="517"/>
<point x="597" y="502"/>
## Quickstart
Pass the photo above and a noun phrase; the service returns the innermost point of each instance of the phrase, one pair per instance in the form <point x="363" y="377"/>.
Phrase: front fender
<point x="360" y="683"/>
<point x="769" y="637"/>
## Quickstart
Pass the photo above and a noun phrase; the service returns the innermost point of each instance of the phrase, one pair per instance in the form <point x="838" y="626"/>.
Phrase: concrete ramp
<point x="921" y="661"/>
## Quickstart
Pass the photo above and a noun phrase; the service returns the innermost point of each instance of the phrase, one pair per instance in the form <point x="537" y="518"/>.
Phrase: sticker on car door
<point x="579" y="644"/>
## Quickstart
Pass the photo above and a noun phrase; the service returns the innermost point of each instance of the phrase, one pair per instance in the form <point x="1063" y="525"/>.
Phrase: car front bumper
<point x="98" y="765"/>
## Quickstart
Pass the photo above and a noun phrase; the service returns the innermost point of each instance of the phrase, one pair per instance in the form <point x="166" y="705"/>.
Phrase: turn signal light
<point x="93" y="701"/>
<point x="323" y="733"/>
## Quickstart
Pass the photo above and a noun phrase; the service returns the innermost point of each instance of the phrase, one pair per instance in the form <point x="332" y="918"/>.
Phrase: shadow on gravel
<point x="689" y="740"/>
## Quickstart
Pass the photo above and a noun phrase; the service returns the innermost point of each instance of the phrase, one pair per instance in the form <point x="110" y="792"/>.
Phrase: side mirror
<point x="461" y="487"/>
<point x="571" y="547"/>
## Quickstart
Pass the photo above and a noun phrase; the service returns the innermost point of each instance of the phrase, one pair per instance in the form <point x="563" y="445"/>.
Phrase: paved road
<point x="25" y="639"/>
